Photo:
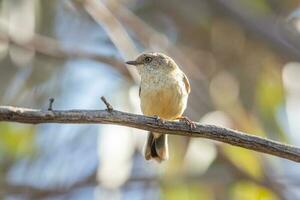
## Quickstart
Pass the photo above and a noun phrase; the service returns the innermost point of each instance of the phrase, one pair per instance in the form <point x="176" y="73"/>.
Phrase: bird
<point x="163" y="92"/>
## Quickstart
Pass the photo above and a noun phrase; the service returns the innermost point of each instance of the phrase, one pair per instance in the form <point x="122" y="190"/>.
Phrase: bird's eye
<point x="148" y="59"/>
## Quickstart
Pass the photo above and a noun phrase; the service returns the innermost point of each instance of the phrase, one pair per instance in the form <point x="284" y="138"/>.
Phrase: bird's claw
<point x="159" y="120"/>
<point x="189" y="122"/>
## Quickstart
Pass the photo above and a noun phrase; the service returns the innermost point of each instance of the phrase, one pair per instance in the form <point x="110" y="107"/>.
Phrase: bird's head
<point x="147" y="62"/>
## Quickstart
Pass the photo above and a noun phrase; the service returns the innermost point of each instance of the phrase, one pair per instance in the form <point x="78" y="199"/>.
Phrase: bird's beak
<point x="133" y="62"/>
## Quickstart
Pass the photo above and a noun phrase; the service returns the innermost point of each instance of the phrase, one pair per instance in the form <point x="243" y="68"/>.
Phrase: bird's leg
<point x="187" y="121"/>
<point x="159" y="120"/>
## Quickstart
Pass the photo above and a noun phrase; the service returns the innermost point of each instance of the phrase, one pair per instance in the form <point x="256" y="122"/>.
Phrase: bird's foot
<point x="189" y="122"/>
<point x="159" y="120"/>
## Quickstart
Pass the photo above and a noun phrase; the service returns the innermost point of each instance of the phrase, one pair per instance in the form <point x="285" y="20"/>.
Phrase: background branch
<point x="237" y="138"/>
<point x="270" y="28"/>
<point x="52" y="48"/>
<point x="114" y="29"/>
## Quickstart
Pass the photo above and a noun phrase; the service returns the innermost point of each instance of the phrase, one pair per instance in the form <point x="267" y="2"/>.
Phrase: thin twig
<point x="229" y="136"/>
<point x="51" y="100"/>
<point x="109" y="107"/>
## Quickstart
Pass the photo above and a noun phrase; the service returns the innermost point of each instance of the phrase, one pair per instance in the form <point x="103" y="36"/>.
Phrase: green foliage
<point x="269" y="97"/>
<point x="16" y="140"/>
<point x="269" y="91"/>
<point x="258" y="5"/>
<point x="245" y="160"/>
<point x="249" y="191"/>
<point x="190" y="191"/>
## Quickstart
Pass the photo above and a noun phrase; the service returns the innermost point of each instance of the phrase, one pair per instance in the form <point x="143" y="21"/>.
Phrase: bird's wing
<point x="186" y="83"/>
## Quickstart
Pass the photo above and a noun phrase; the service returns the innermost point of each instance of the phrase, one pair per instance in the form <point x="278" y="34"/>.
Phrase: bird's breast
<point x="163" y="96"/>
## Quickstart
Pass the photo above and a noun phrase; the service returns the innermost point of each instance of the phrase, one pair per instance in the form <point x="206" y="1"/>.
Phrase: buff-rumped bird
<point x="163" y="92"/>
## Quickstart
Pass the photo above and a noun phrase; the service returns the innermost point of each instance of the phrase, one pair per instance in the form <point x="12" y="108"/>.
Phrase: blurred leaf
<point x="250" y="191"/>
<point x="258" y="5"/>
<point x="244" y="159"/>
<point x="269" y="97"/>
<point x="16" y="140"/>
<point x="269" y="91"/>
<point x="186" y="191"/>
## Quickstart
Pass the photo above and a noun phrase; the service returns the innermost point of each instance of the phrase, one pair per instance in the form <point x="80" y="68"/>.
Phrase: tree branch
<point x="229" y="136"/>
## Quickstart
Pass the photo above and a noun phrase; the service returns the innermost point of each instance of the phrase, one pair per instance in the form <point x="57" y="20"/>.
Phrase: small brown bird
<point x="164" y="93"/>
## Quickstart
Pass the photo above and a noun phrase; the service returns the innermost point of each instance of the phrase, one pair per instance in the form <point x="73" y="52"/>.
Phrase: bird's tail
<point x="157" y="147"/>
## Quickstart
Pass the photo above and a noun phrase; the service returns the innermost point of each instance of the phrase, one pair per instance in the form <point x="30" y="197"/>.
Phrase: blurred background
<point x="243" y="61"/>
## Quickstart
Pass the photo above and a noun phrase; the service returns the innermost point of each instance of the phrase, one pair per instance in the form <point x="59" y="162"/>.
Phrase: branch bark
<point x="229" y="136"/>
